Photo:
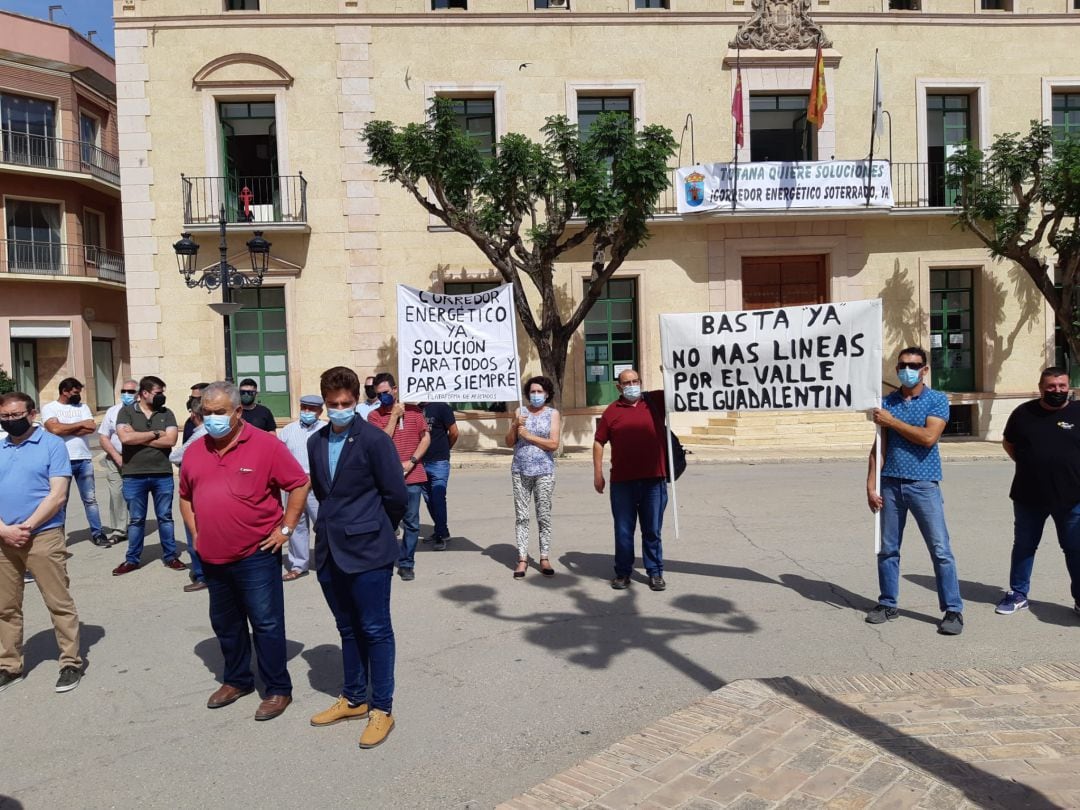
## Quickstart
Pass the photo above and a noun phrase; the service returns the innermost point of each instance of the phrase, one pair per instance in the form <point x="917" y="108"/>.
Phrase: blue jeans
<point x="641" y="500"/>
<point x="438" y="473"/>
<point x="137" y="489"/>
<point x="923" y="499"/>
<point x="82" y="471"/>
<point x="410" y="527"/>
<point x="196" y="563"/>
<point x="1028" y="529"/>
<point x="249" y="591"/>
<point x="361" y="607"/>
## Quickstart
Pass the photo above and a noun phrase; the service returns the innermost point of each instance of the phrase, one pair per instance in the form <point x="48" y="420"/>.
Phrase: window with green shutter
<point x="260" y="345"/>
<point x="611" y="340"/>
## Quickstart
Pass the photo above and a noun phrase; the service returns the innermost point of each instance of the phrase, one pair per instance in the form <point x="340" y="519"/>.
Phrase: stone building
<point x="219" y="96"/>
<point x="62" y="308"/>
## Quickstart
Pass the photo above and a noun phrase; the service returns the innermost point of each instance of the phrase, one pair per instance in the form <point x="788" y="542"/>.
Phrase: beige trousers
<point x="118" y="511"/>
<point x="45" y="556"/>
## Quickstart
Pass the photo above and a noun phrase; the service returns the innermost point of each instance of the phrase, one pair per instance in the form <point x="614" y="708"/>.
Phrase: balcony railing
<point x="914" y="185"/>
<point x="60" y="259"/>
<point x="43" y="152"/>
<point x="272" y="200"/>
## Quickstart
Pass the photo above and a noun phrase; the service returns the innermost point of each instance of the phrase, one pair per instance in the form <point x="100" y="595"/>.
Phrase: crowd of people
<point x="252" y="497"/>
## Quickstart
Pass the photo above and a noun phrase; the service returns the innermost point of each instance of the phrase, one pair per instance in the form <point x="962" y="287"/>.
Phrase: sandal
<point x="521" y="574"/>
<point x="292" y="575"/>
<point x="545" y="567"/>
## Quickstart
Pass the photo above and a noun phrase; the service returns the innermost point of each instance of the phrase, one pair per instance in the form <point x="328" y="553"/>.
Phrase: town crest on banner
<point x="695" y="189"/>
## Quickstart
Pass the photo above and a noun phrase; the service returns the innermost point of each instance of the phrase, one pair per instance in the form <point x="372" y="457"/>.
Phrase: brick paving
<point x="946" y="740"/>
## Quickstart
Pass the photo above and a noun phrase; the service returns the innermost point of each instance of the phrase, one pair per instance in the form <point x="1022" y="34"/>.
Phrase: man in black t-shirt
<point x="252" y="412"/>
<point x="1043" y="437"/>
<point x="444" y="434"/>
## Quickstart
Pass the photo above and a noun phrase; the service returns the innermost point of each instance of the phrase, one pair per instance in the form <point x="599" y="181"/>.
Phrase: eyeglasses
<point x="912" y="366"/>
<point x="14" y="416"/>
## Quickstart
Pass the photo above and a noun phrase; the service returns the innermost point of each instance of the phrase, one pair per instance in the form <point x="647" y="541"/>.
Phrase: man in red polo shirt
<point x="230" y="499"/>
<point x="406" y="425"/>
<point x="635" y="428"/>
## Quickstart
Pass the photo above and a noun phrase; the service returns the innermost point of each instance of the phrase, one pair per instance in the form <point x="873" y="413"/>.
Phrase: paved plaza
<point x="503" y="686"/>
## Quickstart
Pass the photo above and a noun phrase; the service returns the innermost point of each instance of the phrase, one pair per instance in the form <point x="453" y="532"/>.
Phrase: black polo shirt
<point x="141" y="459"/>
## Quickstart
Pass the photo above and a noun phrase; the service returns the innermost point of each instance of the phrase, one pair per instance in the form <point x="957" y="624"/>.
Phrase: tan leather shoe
<point x="272" y="707"/>
<point x="225" y="695"/>
<point x="379" y="726"/>
<point x="341" y="710"/>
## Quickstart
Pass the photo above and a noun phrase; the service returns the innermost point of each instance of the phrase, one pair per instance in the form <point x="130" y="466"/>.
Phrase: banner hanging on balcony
<point x="820" y="357"/>
<point x="771" y="186"/>
<point x="457" y="347"/>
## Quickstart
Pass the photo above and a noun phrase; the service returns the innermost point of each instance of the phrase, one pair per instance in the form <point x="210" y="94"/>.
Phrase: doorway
<point x="769" y="282"/>
<point x="24" y="371"/>
<point x="249" y="160"/>
<point x="104" y="382"/>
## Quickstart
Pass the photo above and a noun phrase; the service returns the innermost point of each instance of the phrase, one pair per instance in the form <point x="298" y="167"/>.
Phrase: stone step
<point x="749" y="431"/>
<point x="788" y="417"/>
<point x="824" y="441"/>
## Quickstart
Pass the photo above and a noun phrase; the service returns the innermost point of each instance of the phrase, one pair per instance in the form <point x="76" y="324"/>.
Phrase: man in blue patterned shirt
<point x="912" y="420"/>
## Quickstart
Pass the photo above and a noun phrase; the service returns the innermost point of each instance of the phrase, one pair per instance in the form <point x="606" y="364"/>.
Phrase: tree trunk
<point x="553" y="363"/>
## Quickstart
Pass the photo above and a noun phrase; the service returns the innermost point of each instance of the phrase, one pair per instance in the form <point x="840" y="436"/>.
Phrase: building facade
<point x="62" y="307"/>
<point x="256" y="106"/>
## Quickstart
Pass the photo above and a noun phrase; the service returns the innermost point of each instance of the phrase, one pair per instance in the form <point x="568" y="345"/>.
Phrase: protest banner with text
<point x="457" y="347"/>
<point x="820" y="357"/>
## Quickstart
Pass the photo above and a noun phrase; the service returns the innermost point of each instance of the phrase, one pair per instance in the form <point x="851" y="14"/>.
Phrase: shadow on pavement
<point x="596" y="631"/>
<point x="601" y="566"/>
<point x="8" y="803"/>
<point x="324" y="668"/>
<point x="980" y="787"/>
<point x="209" y="650"/>
<point x="817" y="590"/>
<point x="41" y="647"/>
<point x="1048" y="612"/>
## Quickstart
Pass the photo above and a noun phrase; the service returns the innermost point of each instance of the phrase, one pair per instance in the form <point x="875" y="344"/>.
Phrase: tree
<point x="1021" y="196"/>
<point x="7" y="385"/>
<point x="531" y="203"/>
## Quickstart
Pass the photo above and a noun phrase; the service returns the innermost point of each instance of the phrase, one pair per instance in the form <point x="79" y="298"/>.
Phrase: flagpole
<point x="738" y="124"/>
<point x="873" y="130"/>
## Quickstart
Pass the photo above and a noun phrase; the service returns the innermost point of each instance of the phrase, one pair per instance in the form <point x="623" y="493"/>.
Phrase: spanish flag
<point x="819" y="98"/>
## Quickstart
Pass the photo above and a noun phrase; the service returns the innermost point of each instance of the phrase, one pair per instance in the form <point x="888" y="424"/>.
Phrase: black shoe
<point x="620" y="583"/>
<point x="100" y="540"/>
<point x="439" y="543"/>
<point x="69" y="679"/>
<point x="881" y="614"/>
<point x="406" y="574"/>
<point x="952" y="623"/>
<point x="657" y="583"/>
<point x="10" y="679"/>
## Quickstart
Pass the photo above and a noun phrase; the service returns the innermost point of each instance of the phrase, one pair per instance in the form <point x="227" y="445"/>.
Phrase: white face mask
<point x="632" y="392"/>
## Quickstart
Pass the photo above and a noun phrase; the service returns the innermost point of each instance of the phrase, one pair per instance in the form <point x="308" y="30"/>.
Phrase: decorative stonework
<point x="780" y="25"/>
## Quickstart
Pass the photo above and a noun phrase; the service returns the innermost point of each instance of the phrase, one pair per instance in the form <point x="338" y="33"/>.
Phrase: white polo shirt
<point x="77" y="446"/>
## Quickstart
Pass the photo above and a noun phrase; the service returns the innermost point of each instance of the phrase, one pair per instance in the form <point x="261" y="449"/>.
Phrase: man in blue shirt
<point x="35" y="473"/>
<point x="913" y="420"/>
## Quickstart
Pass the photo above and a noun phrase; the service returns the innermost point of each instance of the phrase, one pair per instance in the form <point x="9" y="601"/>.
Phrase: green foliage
<point x="7" y="384"/>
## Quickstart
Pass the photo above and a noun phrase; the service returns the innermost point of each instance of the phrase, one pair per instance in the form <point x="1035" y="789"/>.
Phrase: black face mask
<point x="1055" y="399"/>
<point x="369" y="392"/>
<point x="158" y="402"/>
<point x="75" y="399"/>
<point x="15" y="427"/>
<point x="247" y="397"/>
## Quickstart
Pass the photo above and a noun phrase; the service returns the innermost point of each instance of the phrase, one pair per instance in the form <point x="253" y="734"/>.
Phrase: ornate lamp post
<point x="224" y="275"/>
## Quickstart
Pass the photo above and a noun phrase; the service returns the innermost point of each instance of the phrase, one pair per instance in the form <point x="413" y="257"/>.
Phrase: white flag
<point x="879" y="99"/>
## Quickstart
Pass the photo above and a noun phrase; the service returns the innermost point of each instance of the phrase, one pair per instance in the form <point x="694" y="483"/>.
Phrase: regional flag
<point x="737" y="110"/>
<point x="819" y="98"/>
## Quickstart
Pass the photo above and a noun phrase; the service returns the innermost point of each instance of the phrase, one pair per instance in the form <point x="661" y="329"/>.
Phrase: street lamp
<point x="224" y="275"/>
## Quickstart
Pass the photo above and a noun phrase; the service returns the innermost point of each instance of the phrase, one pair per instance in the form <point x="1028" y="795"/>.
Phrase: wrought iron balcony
<point x="268" y="201"/>
<point x="43" y="152"/>
<point x="61" y="259"/>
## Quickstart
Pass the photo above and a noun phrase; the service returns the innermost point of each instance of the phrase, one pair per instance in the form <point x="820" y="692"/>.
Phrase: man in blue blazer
<point x="358" y="481"/>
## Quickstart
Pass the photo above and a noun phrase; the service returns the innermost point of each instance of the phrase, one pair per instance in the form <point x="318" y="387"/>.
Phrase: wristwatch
<point x="157" y="434"/>
<point x="414" y="460"/>
<point x="286" y="531"/>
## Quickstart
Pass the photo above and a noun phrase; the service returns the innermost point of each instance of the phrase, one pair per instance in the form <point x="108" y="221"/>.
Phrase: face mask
<point x="632" y="392"/>
<point x="1055" y="399"/>
<point x="15" y="427"/>
<point x="369" y="392"/>
<point x="341" y="417"/>
<point x="127" y="399"/>
<point x="536" y="400"/>
<point x="247" y="397"/>
<point x="158" y="402"/>
<point x="307" y="418"/>
<point x="908" y="377"/>
<point x="218" y="424"/>
<point x="75" y="399"/>
<point x="386" y="399"/>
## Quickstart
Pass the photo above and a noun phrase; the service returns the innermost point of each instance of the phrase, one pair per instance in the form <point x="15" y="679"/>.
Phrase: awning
<point x="40" y="329"/>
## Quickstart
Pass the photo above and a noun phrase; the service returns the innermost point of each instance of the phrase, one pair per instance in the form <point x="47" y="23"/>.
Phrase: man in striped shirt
<point x="406" y="425"/>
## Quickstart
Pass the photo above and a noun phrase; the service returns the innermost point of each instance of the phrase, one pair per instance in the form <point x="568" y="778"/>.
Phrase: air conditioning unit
<point x="563" y="4"/>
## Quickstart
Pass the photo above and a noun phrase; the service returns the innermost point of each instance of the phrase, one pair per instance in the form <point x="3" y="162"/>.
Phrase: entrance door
<point x="952" y="330"/>
<point x="948" y="128"/>
<point x="249" y="160"/>
<point x="260" y="345"/>
<point x="24" y="360"/>
<point x="769" y="282"/>
<point x="102" y="350"/>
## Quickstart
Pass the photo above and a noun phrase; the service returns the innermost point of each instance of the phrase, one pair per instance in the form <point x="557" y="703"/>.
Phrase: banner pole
<point x="877" y="487"/>
<point x="671" y="474"/>
<point x="873" y="132"/>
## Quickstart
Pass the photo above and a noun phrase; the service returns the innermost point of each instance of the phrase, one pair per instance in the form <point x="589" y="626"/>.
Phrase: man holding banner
<point x="912" y="420"/>
<point x="635" y="428"/>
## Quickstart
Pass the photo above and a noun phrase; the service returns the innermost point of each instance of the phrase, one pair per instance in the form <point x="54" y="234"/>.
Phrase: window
<point x="590" y="107"/>
<point x="476" y="117"/>
<point x="996" y="5"/>
<point x="241" y="5"/>
<point x="89" y="138"/>
<point x="948" y="128"/>
<point x="562" y="4"/>
<point x="1065" y="112"/>
<point x="903" y="5"/>
<point x="651" y="3"/>
<point x="443" y="5"/>
<point x="778" y="129"/>
<point x="33" y="232"/>
<point x="249" y="160"/>
<point x="952" y="330"/>
<point x="611" y="338"/>
<point x="769" y="282"/>
<point x="93" y="228"/>
<point x="27" y="130"/>
<point x="260" y="345"/>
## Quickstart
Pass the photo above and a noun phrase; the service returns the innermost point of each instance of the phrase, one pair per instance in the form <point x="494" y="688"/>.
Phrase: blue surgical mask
<point x="307" y="418"/>
<point x="632" y="392"/>
<point x="218" y="424"/>
<point x="908" y="377"/>
<point x="536" y="400"/>
<point x="341" y="417"/>
<point x="127" y="399"/>
<point x="386" y="399"/>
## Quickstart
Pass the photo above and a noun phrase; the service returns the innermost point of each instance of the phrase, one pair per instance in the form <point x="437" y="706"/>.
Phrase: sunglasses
<point x="912" y="366"/>
<point x="128" y="391"/>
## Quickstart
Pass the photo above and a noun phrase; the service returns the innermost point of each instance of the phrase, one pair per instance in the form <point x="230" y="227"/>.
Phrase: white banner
<point x="820" y="357"/>
<point x="457" y="347"/>
<point x="808" y="184"/>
